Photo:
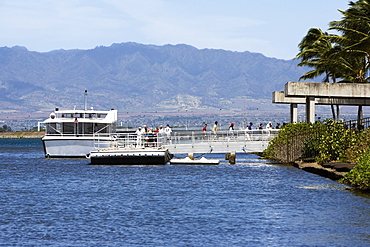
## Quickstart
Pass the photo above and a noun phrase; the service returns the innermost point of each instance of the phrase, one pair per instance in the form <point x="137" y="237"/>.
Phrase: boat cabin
<point x="81" y="122"/>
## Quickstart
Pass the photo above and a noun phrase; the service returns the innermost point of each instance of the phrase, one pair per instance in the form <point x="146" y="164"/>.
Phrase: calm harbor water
<point x="67" y="202"/>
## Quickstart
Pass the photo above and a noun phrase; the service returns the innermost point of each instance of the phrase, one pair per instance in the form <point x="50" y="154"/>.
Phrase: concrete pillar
<point x="310" y="109"/>
<point x="231" y="157"/>
<point x="293" y="113"/>
<point x="191" y="156"/>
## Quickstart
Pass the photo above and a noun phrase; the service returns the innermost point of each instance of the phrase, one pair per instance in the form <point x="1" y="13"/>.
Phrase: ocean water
<point x="67" y="202"/>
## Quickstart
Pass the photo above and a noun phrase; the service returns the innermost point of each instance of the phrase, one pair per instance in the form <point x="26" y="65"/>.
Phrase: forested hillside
<point x="135" y="77"/>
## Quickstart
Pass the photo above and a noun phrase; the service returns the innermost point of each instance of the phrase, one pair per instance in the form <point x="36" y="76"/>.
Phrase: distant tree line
<point x="5" y="128"/>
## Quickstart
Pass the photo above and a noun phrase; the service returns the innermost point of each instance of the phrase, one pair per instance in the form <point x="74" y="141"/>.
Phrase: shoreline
<point x="22" y="134"/>
<point x="332" y="170"/>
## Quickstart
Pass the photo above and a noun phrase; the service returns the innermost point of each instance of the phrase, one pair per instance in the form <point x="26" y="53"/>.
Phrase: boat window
<point x="88" y="128"/>
<point x="80" y="129"/>
<point x="51" y="129"/>
<point x="66" y="115"/>
<point x="101" y="128"/>
<point x="68" y="128"/>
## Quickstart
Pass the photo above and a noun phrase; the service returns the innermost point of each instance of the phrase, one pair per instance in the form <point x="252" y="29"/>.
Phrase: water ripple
<point x="66" y="202"/>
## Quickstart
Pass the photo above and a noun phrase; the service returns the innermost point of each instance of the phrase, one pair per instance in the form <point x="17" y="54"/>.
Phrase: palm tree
<point x="317" y="51"/>
<point x="355" y="41"/>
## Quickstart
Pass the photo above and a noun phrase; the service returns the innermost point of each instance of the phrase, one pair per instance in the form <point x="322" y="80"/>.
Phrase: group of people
<point x="268" y="126"/>
<point x="214" y="129"/>
<point x="232" y="126"/>
<point x="149" y="131"/>
<point x="248" y="130"/>
<point x="149" y="135"/>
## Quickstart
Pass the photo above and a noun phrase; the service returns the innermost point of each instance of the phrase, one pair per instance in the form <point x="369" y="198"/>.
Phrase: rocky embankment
<point x="332" y="170"/>
<point x="20" y="134"/>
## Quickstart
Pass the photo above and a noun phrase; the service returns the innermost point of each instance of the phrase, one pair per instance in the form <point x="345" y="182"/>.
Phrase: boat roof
<point x="84" y="116"/>
<point x="82" y="111"/>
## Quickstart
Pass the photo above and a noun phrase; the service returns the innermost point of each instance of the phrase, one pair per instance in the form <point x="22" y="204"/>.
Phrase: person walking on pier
<point x="231" y="130"/>
<point x="168" y="132"/>
<point x="249" y="131"/>
<point x="160" y="130"/>
<point x="205" y="129"/>
<point x="138" y="137"/>
<point x="268" y="128"/>
<point x="215" y="129"/>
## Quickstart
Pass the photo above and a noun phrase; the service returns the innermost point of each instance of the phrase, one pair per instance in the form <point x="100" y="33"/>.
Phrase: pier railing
<point x="179" y="138"/>
<point x="293" y="146"/>
<point x="131" y="141"/>
<point x="355" y="124"/>
<point x="185" y="137"/>
<point x="254" y="141"/>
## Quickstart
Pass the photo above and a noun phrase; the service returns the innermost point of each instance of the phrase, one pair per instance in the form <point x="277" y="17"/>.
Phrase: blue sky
<point x="271" y="27"/>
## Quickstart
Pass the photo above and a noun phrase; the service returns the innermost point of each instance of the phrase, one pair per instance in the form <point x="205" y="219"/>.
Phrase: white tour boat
<point x="75" y="133"/>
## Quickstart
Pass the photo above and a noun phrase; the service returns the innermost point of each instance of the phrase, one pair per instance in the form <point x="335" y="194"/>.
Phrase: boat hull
<point x="72" y="148"/>
<point x="130" y="157"/>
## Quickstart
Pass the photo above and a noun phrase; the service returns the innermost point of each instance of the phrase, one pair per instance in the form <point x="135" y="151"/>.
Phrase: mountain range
<point x="134" y="77"/>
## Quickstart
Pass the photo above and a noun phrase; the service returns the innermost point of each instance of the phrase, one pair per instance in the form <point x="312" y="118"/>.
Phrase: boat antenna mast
<point x="85" y="100"/>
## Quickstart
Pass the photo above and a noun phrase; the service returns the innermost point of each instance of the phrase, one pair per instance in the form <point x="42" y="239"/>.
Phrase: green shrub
<point x="325" y="141"/>
<point x="359" y="176"/>
<point x="333" y="141"/>
<point x="359" y="146"/>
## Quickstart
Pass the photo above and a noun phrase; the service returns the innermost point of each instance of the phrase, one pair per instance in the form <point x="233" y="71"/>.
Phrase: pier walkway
<point x="184" y="142"/>
<point x="254" y="141"/>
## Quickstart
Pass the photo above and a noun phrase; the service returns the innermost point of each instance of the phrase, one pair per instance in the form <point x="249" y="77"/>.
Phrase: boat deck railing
<point x="132" y="141"/>
<point x="78" y="135"/>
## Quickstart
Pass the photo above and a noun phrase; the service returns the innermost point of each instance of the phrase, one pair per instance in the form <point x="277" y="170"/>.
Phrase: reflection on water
<point x="67" y="202"/>
<point x="360" y="193"/>
<point x="325" y="187"/>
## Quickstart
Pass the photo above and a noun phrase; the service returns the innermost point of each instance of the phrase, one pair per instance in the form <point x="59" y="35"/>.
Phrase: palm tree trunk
<point x="338" y="112"/>
<point x="360" y="116"/>
<point x="333" y="112"/>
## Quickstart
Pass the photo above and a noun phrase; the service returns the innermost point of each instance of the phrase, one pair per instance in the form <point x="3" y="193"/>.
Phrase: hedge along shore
<point x="22" y="134"/>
